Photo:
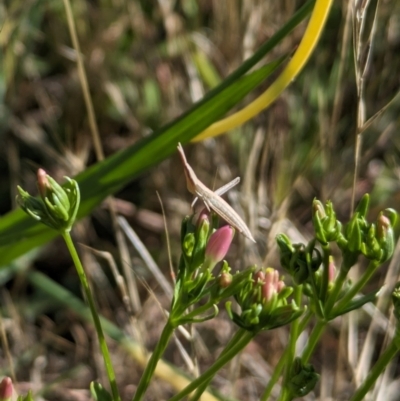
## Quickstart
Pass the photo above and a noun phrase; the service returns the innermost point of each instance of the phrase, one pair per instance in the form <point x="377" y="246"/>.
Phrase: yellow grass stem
<point x="295" y="65"/>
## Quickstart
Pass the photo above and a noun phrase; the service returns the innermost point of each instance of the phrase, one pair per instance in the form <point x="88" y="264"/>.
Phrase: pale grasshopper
<point x="212" y="199"/>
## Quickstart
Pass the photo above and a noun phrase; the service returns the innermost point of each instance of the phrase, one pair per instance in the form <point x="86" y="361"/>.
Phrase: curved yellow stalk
<point x="302" y="54"/>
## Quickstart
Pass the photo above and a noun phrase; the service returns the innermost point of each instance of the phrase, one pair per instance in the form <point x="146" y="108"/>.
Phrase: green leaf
<point x="356" y="303"/>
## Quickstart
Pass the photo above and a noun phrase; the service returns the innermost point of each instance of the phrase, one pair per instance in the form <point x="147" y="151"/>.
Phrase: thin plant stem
<point x="246" y="337"/>
<point x="285" y="395"/>
<point x="84" y="82"/>
<point x="199" y="310"/>
<point x="294" y="334"/>
<point x="321" y="324"/>
<point x="283" y="360"/>
<point x="60" y="296"/>
<point x="275" y="376"/>
<point x="153" y="361"/>
<point x="122" y="247"/>
<point x="325" y="273"/>
<point x="376" y="371"/>
<point x="336" y="290"/>
<point x="357" y="287"/>
<point x="200" y="390"/>
<point x="313" y="340"/>
<point x="95" y="316"/>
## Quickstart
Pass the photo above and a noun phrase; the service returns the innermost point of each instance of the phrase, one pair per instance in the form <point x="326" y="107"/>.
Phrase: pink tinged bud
<point x="6" y="389"/>
<point x="203" y="216"/>
<point x="259" y="276"/>
<point x="270" y="287"/>
<point x="280" y="286"/>
<point x="331" y="269"/>
<point x="225" y="280"/>
<point x="42" y="182"/>
<point x="318" y="209"/>
<point x="218" y="244"/>
<point x="382" y="226"/>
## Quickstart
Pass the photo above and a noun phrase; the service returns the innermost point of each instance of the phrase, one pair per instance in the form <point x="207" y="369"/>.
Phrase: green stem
<point x="200" y="389"/>
<point x="199" y="310"/>
<point x="285" y="395"/>
<point x="152" y="362"/>
<point x="225" y="357"/>
<point x="377" y="369"/>
<point x="357" y="287"/>
<point x="321" y="324"/>
<point x="313" y="340"/>
<point x="275" y="376"/>
<point x="282" y="362"/>
<point x="325" y="273"/>
<point x="95" y="316"/>
<point x="294" y="334"/>
<point x="340" y="279"/>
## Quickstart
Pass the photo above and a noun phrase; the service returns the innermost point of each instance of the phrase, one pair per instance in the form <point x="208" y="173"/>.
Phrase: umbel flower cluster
<point x="58" y="205"/>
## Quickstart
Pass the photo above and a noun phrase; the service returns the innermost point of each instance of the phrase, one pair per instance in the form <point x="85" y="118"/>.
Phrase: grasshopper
<point x="213" y="200"/>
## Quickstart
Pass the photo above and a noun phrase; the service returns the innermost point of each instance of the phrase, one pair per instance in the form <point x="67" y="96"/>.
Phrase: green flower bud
<point x="286" y="250"/>
<point x="327" y="227"/>
<point x="303" y="378"/>
<point x="354" y="234"/>
<point x="202" y="233"/>
<point x="186" y="226"/>
<point x="362" y="207"/>
<point x="318" y="215"/>
<point x="188" y="244"/>
<point x="263" y="302"/>
<point x="385" y="234"/>
<point x="371" y="248"/>
<point x="59" y="205"/>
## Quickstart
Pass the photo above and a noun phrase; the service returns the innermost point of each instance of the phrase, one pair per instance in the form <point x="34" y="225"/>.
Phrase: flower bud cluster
<point x="298" y="260"/>
<point x="359" y="237"/>
<point x="58" y="205"/>
<point x="263" y="302"/>
<point x="302" y="378"/>
<point x="327" y="227"/>
<point x="203" y="247"/>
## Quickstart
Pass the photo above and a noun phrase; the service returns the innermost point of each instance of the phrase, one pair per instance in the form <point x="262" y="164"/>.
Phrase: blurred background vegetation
<point x="147" y="62"/>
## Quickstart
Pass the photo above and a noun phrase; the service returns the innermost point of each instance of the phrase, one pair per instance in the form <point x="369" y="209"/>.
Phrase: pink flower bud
<point x="280" y="286"/>
<point x="270" y="283"/>
<point x="225" y="280"/>
<point x="42" y="182"/>
<point x="218" y="245"/>
<point x="6" y="389"/>
<point x="270" y="286"/>
<point x="331" y="269"/>
<point x="259" y="276"/>
<point x="382" y="227"/>
<point x="203" y="216"/>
